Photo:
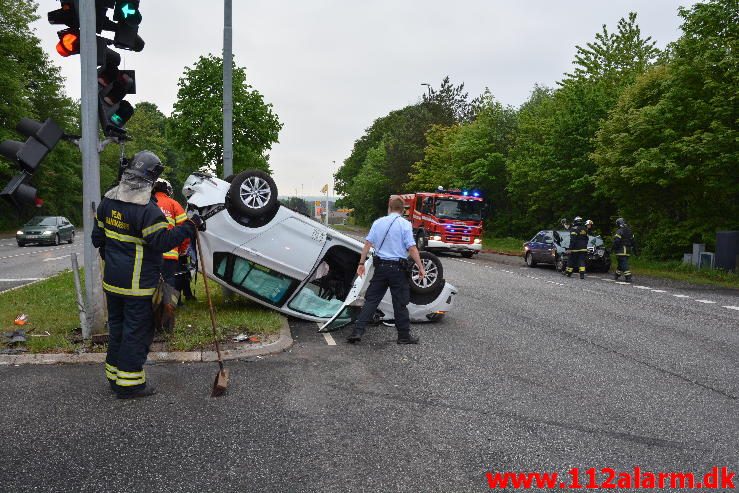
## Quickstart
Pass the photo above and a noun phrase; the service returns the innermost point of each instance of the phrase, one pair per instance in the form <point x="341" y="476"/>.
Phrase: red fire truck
<point x="446" y="220"/>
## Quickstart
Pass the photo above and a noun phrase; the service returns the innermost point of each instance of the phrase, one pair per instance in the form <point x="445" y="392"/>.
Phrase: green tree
<point x="667" y="155"/>
<point x="197" y="119"/>
<point x="31" y="86"/>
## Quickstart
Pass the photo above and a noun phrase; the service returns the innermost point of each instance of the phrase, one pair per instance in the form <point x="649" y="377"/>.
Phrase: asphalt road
<point x="19" y="266"/>
<point x="531" y="372"/>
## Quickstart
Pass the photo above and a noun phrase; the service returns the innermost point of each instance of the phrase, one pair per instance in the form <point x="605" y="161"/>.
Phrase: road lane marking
<point x="329" y="339"/>
<point x="708" y="302"/>
<point x="658" y="291"/>
<point x="56" y="258"/>
<point x="30" y="279"/>
<point x="732" y="307"/>
<point x="36" y="252"/>
<point x="681" y="296"/>
<point x="622" y="283"/>
<point x="642" y="287"/>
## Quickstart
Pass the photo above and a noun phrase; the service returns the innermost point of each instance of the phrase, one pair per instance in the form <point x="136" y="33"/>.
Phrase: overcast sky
<point x="331" y="67"/>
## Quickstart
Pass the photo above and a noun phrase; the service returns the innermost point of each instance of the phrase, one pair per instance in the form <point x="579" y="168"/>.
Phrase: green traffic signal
<point x="127" y="10"/>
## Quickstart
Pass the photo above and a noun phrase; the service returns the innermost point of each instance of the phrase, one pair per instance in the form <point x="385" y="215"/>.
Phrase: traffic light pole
<point x="228" y="105"/>
<point x="90" y="165"/>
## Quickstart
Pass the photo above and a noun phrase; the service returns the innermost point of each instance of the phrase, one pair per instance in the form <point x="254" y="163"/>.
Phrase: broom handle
<point x="210" y="301"/>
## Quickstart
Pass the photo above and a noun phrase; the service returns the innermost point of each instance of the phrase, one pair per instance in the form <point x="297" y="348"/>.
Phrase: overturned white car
<point x="291" y="263"/>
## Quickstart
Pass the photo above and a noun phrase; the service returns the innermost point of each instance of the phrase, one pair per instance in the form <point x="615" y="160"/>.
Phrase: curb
<point x="284" y="342"/>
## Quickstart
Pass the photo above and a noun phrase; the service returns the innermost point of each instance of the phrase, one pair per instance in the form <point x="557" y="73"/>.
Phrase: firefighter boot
<point x="627" y="278"/>
<point x="616" y="275"/>
<point x="582" y="275"/>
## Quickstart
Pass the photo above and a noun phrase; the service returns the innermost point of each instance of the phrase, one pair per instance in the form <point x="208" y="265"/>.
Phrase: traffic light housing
<point x="113" y="84"/>
<point x="42" y="138"/>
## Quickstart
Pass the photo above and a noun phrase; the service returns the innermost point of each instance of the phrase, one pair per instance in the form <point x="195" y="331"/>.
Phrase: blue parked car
<point x="550" y="247"/>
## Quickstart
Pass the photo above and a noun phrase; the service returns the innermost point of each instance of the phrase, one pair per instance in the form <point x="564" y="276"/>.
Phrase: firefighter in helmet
<point x="131" y="234"/>
<point x="623" y="245"/>
<point x="578" y="247"/>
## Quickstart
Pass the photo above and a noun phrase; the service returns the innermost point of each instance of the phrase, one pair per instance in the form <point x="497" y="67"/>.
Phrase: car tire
<point x="71" y="238"/>
<point x="434" y="274"/>
<point x="229" y="178"/>
<point x="468" y="254"/>
<point x="253" y="193"/>
<point x="21" y="244"/>
<point x="57" y="240"/>
<point x="530" y="260"/>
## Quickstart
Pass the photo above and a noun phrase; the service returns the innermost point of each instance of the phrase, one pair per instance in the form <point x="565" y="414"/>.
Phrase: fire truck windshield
<point x="463" y="210"/>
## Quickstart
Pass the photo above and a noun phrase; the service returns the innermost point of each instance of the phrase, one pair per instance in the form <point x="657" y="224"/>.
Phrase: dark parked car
<point x="51" y="230"/>
<point x="550" y="247"/>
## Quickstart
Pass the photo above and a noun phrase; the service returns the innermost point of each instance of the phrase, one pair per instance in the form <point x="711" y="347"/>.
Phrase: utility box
<point x="688" y="258"/>
<point x="727" y="250"/>
<point x="698" y="248"/>
<point x="706" y="260"/>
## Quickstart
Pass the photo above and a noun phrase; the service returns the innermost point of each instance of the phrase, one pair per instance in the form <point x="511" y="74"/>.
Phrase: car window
<point x="539" y="238"/>
<point x="42" y="221"/>
<point x="257" y="280"/>
<point x="348" y="315"/>
<point x="309" y="301"/>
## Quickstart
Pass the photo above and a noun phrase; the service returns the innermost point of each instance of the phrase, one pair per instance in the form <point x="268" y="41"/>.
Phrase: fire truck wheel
<point x="434" y="274"/>
<point x="253" y="193"/>
<point x="467" y="254"/>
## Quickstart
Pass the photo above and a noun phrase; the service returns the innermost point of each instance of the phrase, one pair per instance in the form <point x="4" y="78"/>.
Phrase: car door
<point x="549" y="248"/>
<point x="353" y="303"/>
<point x="65" y="230"/>
<point x="537" y="245"/>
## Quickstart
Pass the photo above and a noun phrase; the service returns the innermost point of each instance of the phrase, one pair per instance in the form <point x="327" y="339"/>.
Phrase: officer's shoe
<point x="569" y="274"/>
<point x="409" y="339"/>
<point x="138" y="394"/>
<point x="616" y="275"/>
<point x="354" y="338"/>
<point x="582" y="275"/>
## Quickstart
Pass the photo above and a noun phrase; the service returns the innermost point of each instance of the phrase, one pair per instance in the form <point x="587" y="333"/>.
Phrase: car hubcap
<point x="255" y="192"/>
<point x="432" y="273"/>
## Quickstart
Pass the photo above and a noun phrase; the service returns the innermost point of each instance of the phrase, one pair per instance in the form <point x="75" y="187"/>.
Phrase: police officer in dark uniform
<point x="578" y="247"/>
<point x="131" y="234"/>
<point x="623" y="245"/>
<point x="392" y="238"/>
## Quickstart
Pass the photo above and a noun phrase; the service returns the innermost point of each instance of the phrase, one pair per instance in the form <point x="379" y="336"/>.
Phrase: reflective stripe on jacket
<point x="175" y="215"/>
<point x="578" y="238"/>
<point x="132" y="239"/>
<point x="623" y="241"/>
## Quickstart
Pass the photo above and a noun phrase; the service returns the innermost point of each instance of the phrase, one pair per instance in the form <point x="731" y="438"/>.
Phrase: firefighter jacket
<point x="623" y="241"/>
<point x="175" y="215"/>
<point x="579" y="238"/>
<point x="132" y="239"/>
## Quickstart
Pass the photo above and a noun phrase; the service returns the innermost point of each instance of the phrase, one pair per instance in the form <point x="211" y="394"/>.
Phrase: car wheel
<point x="229" y="178"/>
<point x="467" y="254"/>
<point x="253" y="193"/>
<point x="559" y="264"/>
<point x="56" y="240"/>
<point x="434" y="274"/>
<point x="530" y="260"/>
<point x="21" y="244"/>
<point x="71" y="238"/>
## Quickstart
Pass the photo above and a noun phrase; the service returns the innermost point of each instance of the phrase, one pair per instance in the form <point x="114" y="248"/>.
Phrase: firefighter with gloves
<point x="623" y="245"/>
<point x="131" y="234"/>
<point x="578" y="247"/>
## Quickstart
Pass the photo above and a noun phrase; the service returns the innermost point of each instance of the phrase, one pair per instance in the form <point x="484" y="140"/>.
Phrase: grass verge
<point x="503" y="245"/>
<point x="51" y="307"/>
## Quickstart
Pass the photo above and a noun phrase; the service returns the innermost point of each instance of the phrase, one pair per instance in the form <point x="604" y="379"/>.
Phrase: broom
<point x="221" y="382"/>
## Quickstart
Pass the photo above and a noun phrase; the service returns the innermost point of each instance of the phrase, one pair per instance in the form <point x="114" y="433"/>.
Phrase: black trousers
<point x="130" y="334"/>
<point x="184" y="277"/>
<point x="576" y="261"/>
<point x="623" y="265"/>
<point x="169" y="272"/>
<point x="387" y="276"/>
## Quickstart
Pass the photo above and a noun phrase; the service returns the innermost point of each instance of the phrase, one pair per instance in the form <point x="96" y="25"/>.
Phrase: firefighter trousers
<point x="576" y="261"/>
<point x="623" y="266"/>
<point x="130" y="334"/>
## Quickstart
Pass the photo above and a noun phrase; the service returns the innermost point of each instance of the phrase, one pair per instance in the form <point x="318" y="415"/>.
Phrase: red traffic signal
<point x="69" y="42"/>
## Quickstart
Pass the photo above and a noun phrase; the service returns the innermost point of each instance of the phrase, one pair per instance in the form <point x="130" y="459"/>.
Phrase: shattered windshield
<point x="463" y="210"/>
